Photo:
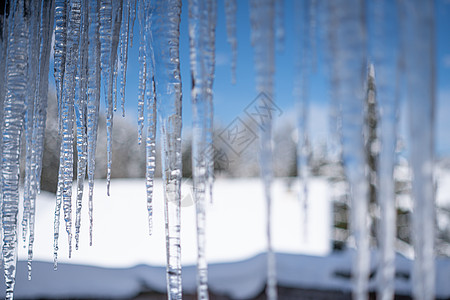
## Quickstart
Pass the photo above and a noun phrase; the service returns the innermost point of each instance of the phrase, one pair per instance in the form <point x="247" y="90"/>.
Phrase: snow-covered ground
<point x="125" y="260"/>
<point x="235" y="224"/>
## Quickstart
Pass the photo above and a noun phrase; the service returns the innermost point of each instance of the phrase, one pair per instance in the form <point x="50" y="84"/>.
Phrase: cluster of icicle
<point x="397" y="37"/>
<point x="91" y="40"/>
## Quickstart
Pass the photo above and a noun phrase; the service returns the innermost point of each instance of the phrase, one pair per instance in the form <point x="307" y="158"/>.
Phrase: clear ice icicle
<point x="142" y="66"/>
<point x="202" y="21"/>
<point x="80" y="116"/>
<point x="150" y="150"/>
<point x="150" y="141"/>
<point x="13" y="121"/>
<point x="123" y="47"/>
<point x="67" y="114"/>
<point x="33" y="59"/>
<point x="93" y="100"/>
<point x="385" y="58"/>
<point x="165" y="20"/>
<point x="417" y="25"/>
<point x="60" y="50"/>
<point x="40" y="115"/>
<point x="263" y="40"/>
<point x="230" y="15"/>
<point x="349" y="69"/>
<point x="105" y="55"/>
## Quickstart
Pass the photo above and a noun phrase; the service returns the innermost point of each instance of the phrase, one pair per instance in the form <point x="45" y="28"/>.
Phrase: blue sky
<point x="230" y="100"/>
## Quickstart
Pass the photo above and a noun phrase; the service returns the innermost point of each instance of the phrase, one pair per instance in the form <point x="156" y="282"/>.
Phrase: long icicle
<point x="165" y="20"/>
<point x="61" y="13"/>
<point x="385" y="57"/>
<point x="111" y="95"/>
<point x="80" y="114"/>
<point x="349" y="70"/>
<point x="202" y="23"/>
<point x="67" y="113"/>
<point x="33" y="64"/>
<point x="418" y="23"/>
<point x="123" y="57"/>
<point x="14" y="113"/>
<point x="40" y="114"/>
<point x="105" y="55"/>
<point x="143" y="56"/>
<point x="151" y="106"/>
<point x="263" y="40"/>
<point x="302" y="67"/>
<point x="93" y="101"/>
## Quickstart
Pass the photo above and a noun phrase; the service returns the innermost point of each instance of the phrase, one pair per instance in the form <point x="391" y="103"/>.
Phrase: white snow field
<point x="125" y="260"/>
<point x="235" y="224"/>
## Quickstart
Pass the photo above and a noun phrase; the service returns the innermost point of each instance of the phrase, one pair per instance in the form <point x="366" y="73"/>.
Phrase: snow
<point x="235" y="245"/>
<point x="235" y="224"/>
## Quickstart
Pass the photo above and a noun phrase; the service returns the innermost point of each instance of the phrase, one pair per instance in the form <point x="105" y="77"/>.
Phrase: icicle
<point x="348" y="71"/>
<point x="3" y="56"/>
<point x="105" y="54"/>
<point x="263" y="40"/>
<point x="93" y="101"/>
<point x="67" y="113"/>
<point x="418" y="31"/>
<point x="385" y="56"/>
<point x="279" y="24"/>
<point x="123" y="46"/>
<point x="142" y="68"/>
<point x="117" y="16"/>
<point x="312" y="20"/>
<point x="230" y="10"/>
<point x="13" y="121"/>
<point x="202" y="21"/>
<point x="132" y="17"/>
<point x="303" y="49"/>
<point x="150" y="142"/>
<point x="60" y="51"/>
<point x="165" y="39"/>
<point x="150" y="147"/>
<point x="40" y="115"/>
<point x="33" y="61"/>
<point x="80" y="114"/>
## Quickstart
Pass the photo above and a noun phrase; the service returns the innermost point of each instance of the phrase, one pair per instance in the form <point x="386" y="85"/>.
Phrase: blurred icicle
<point x="302" y="70"/>
<point x="349" y="69"/>
<point x="202" y="24"/>
<point x="230" y="16"/>
<point x="279" y="24"/>
<point x="262" y="19"/>
<point x="165" y="20"/>
<point x="385" y="57"/>
<point x="418" y="29"/>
